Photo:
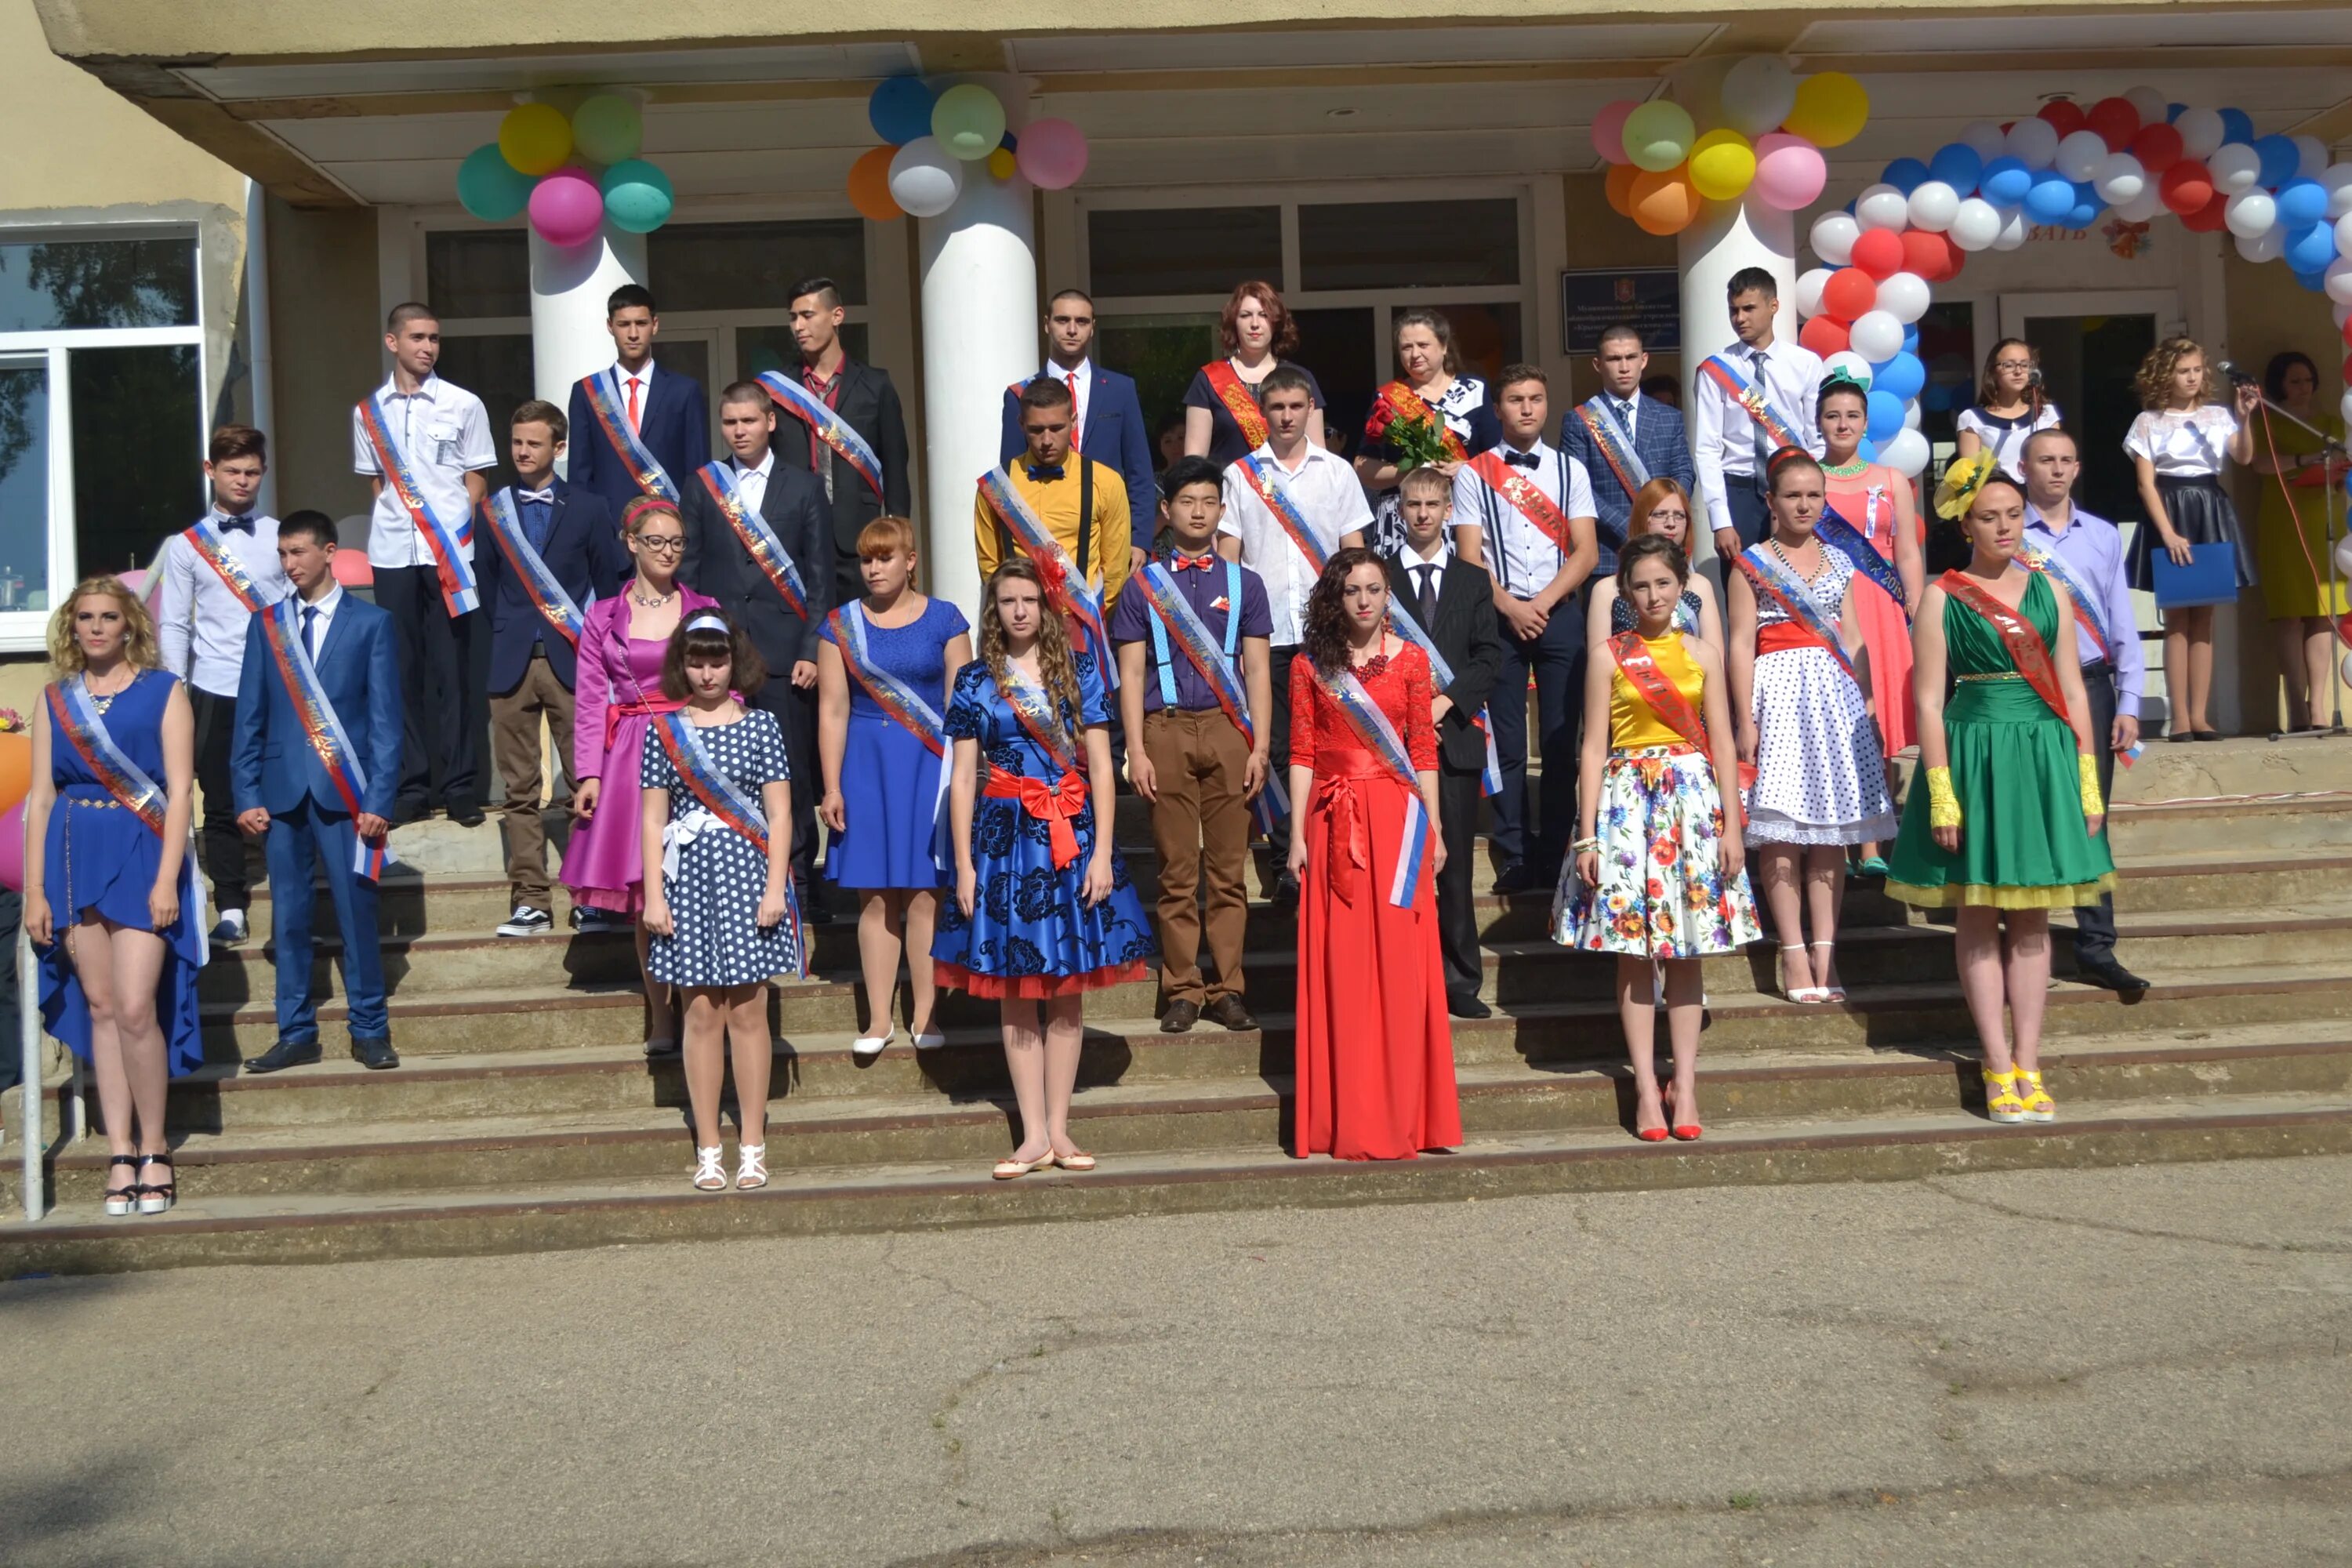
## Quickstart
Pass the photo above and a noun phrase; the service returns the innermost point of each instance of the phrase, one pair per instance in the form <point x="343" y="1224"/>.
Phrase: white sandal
<point x="1805" y="993"/>
<point x="710" y="1172"/>
<point x="752" y="1167"/>
<point x="1829" y="993"/>
<point x="865" y="1048"/>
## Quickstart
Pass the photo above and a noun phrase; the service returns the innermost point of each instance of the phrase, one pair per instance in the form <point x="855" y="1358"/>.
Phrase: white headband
<point x="709" y="621"/>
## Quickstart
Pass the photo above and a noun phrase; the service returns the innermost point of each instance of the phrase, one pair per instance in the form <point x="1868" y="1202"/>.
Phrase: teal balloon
<point x="607" y="129"/>
<point x="490" y="187"/>
<point x="968" y="121"/>
<point x="637" y="197"/>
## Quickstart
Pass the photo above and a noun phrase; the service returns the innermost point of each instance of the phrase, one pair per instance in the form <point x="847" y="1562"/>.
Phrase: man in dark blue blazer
<point x="1657" y="446"/>
<point x="1109" y="425"/>
<point x="283" y="790"/>
<point x="793" y="503"/>
<point x="534" y="667"/>
<point x="671" y="413"/>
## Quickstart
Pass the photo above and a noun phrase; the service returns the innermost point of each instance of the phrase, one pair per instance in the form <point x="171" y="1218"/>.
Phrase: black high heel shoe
<point x="155" y="1197"/>
<point x="120" y="1201"/>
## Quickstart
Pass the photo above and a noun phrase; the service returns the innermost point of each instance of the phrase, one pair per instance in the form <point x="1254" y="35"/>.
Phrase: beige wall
<point x="80" y="144"/>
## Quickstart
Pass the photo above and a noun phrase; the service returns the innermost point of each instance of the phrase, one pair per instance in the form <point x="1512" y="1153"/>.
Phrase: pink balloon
<point x="566" y="208"/>
<point x="1609" y="130"/>
<point x="353" y="570"/>
<point x="1052" y="153"/>
<point x="1790" y="172"/>
<point x="12" y="848"/>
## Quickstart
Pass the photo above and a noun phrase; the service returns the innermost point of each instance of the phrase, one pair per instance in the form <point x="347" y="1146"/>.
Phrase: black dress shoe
<point x="1179" y="1017"/>
<point x="465" y="813"/>
<point x="2106" y="971"/>
<point x="1285" y="893"/>
<point x="283" y="1054"/>
<point x="405" y="812"/>
<point x="374" y="1054"/>
<point x="1512" y="876"/>
<point x="1467" y="1007"/>
<point x="1229" y="1011"/>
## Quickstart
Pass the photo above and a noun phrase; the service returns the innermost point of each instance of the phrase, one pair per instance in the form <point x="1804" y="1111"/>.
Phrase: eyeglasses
<point x="2013" y="365"/>
<point x="666" y="543"/>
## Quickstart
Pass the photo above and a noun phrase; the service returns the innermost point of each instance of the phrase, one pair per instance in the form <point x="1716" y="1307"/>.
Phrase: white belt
<point x="681" y="832"/>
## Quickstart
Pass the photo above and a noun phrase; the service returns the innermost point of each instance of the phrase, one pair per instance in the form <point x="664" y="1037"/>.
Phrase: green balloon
<point x="490" y="187"/>
<point x="607" y="129"/>
<point x="637" y="197"/>
<point x="1658" y="135"/>
<point x="968" y="121"/>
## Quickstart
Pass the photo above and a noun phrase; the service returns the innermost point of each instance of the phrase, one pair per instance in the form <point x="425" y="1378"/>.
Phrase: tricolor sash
<point x="213" y="552"/>
<point x="75" y="716"/>
<point x="1266" y="481"/>
<point x="1401" y="621"/>
<point x="1066" y="588"/>
<point x="1526" y="497"/>
<point x="1239" y="401"/>
<point x="2086" y="606"/>
<point x="831" y="428"/>
<point x="1404" y="403"/>
<point x="1640" y="667"/>
<point x="1615" y="446"/>
<point x="1175" y="618"/>
<point x="905" y="706"/>
<point x="605" y="403"/>
<point x="1768" y="575"/>
<point x="540" y="584"/>
<point x="767" y="551"/>
<point x="457" y="574"/>
<point x="1774" y="426"/>
<point x="1380" y="737"/>
<point x="2018" y="636"/>
<point x="717" y="793"/>
<point x="323" y="729"/>
<point x="1035" y="710"/>
<point x="1855" y="546"/>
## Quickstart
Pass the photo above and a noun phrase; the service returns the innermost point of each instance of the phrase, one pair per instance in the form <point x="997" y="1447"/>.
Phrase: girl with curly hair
<point x="1042" y="911"/>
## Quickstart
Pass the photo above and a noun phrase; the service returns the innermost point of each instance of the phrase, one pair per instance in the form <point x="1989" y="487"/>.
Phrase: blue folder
<point x="2210" y="578"/>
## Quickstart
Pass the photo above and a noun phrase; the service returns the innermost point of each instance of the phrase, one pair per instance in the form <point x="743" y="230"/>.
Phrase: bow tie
<point x="546" y="495"/>
<point x="241" y="524"/>
<point x="1041" y="472"/>
<point x="1183" y="562"/>
<point x="1522" y="459"/>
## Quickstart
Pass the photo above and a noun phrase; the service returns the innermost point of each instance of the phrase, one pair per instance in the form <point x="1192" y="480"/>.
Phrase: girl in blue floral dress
<point x="1042" y="911"/>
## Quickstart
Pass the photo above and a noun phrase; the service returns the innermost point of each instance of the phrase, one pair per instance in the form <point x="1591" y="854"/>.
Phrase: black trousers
<point x="1458" y="921"/>
<point x="221" y="848"/>
<point x="1750" y="518"/>
<point x="795" y="712"/>
<point x="443" y="706"/>
<point x="1277" y="746"/>
<point x="2094" y="924"/>
<point x="1556" y="660"/>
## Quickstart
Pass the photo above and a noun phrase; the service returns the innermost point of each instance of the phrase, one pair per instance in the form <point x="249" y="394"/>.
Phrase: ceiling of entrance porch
<point x="785" y="121"/>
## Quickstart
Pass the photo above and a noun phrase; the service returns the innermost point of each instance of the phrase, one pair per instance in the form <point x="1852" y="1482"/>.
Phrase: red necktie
<point x="637" y="421"/>
<point x="1071" y="376"/>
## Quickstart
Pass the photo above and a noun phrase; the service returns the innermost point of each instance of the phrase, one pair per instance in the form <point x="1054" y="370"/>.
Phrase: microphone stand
<point x="2330" y="449"/>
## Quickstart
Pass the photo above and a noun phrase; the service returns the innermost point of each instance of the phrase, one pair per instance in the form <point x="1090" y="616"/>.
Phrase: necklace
<point x="637" y="596"/>
<point x="1846" y="470"/>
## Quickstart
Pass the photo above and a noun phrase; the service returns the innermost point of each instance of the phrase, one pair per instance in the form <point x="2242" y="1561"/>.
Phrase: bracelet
<point x="2088" y="766"/>
<point x="1582" y="845"/>
<point x="1943" y="805"/>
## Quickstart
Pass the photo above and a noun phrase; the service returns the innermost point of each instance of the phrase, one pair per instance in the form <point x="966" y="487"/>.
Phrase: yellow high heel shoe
<point x="2039" y="1106"/>
<point x="2000" y="1098"/>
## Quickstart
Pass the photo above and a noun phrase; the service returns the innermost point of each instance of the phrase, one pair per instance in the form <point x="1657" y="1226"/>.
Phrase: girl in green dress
<point x="2007" y="825"/>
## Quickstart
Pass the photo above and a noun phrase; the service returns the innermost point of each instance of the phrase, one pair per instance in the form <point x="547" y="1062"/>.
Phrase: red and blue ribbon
<point x="1268" y="486"/>
<point x="1207" y="655"/>
<point x="213" y="552"/>
<point x="1768" y="575"/>
<point x="832" y="429"/>
<point x="540" y="584"/>
<point x="767" y="552"/>
<point x="2086" y="606"/>
<point x="1066" y="588"/>
<point x="1380" y="737"/>
<point x="906" y="706"/>
<point x="720" y="795"/>
<point x="1853" y="545"/>
<point x="323" y="729"/>
<point x="1490" y="772"/>
<point x="446" y="543"/>
<point x="1753" y="402"/>
<point x="1614" y="444"/>
<point x="645" y="469"/>
<point x="76" y="718"/>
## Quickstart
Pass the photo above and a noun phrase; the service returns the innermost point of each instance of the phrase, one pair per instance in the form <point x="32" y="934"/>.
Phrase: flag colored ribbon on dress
<point x="831" y="428"/>
<point x="456" y="573"/>
<point x="1768" y="575"/>
<point x="540" y="584"/>
<point x="76" y="717"/>
<point x="1751" y="398"/>
<point x="1174" y="617"/>
<point x="1640" y="667"/>
<point x="323" y="729"/>
<point x="1401" y="621"/>
<point x="213" y="552"/>
<point x="1612" y="441"/>
<point x="1059" y="803"/>
<point x="1066" y="588"/>
<point x="1853" y="545"/>
<point x="767" y="552"/>
<point x="1403" y="402"/>
<point x="1267" y="484"/>
<point x="1240" y="401"/>
<point x="902" y="703"/>
<point x="717" y="795"/>
<point x="604" y="393"/>
<point x="1380" y="737"/>
<point x="2086" y="606"/>
<point x="1526" y="497"/>
<point x="2018" y="636"/>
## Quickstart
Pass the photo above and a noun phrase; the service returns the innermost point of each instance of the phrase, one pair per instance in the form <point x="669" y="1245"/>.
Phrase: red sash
<point x="2026" y="648"/>
<point x="1239" y="401"/>
<point x="1641" y="671"/>
<point x="1406" y="404"/>
<point x="1525" y="494"/>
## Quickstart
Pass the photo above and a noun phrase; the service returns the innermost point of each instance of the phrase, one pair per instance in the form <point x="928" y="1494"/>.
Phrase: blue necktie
<point x="310" y="631"/>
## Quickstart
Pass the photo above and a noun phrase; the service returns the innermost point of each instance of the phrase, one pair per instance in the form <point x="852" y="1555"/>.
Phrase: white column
<point x="569" y="286"/>
<point x="1727" y="236"/>
<point x="979" y="264"/>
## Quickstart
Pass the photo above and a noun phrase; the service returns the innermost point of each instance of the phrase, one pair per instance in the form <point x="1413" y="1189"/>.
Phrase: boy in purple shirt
<point x="1191" y="756"/>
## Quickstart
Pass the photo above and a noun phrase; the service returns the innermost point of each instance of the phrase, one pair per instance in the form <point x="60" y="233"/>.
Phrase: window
<point x="96" y="283"/>
<point x="1409" y="245"/>
<point x="1182" y="250"/>
<point x="753" y="265"/>
<point x="479" y="272"/>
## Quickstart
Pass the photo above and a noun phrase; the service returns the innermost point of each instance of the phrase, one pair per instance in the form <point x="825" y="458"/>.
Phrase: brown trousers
<point x="514" y="747"/>
<point x="1201" y="824"/>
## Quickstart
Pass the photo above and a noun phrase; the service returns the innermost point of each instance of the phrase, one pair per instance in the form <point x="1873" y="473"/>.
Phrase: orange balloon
<point x="1621" y="187"/>
<point x="869" y="185"/>
<point x="15" y="769"/>
<point x="1664" y="203"/>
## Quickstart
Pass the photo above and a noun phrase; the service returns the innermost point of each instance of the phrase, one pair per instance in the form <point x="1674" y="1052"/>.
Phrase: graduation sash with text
<point x="1640" y="667"/>
<point x="1239" y="401"/>
<point x="321" y="727"/>
<point x="75" y="716"/>
<point x="2019" y="636"/>
<point x="2088" y="609"/>
<point x="905" y="706"/>
<point x="213" y="552"/>
<point x="1855" y="546"/>
<point x="1267" y="484"/>
<point x="446" y="543"/>
<point x="717" y="795"/>
<point x="1403" y="402"/>
<point x="1776" y="429"/>
<point x="1066" y="588"/>
<point x="1401" y="619"/>
<point x="1177" y="621"/>
<point x="645" y="470"/>
<point x="1615" y="447"/>
<point x="831" y="428"/>
<point x="766" y="550"/>
<point x="1771" y="576"/>
<point x="1524" y="495"/>
<point x="1380" y="737"/>
<point x="538" y="580"/>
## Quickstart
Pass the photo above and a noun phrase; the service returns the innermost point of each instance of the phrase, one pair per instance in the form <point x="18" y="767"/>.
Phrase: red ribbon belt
<point x="1057" y="805"/>
<point x="648" y="708"/>
<point x="1349" y="841"/>
<point x="1781" y="636"/>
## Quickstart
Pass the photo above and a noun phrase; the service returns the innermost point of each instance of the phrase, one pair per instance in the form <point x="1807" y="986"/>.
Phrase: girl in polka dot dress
<point x="719" y="902"/>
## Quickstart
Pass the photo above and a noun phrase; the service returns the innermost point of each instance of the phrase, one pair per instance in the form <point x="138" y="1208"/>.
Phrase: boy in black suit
<point x="861" y="398"/>
<point x="552" y="550"/>
<point x="1451" y="600"/>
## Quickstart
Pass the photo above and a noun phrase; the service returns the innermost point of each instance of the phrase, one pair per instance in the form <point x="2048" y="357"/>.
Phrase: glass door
<point x="28" y="497"/>
<point x="2091" y="346"/>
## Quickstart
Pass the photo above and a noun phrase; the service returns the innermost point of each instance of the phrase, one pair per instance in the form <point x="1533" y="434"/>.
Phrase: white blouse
<point x="2005" y="437"/>
<point x="2183" y="443"/>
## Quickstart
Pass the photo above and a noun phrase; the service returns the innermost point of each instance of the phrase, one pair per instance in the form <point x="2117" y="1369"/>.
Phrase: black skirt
<point x="2201" y="514"/>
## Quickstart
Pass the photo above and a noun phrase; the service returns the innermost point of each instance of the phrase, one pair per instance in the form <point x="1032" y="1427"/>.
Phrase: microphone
<point x="2237" y="377"/>
<point x="2033" y="376"/>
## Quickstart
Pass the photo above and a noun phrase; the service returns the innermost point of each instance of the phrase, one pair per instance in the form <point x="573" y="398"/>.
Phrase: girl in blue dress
<point x="882" y="685"/>
<point x="111" y="900"/>
<point x="1042" y="911"/>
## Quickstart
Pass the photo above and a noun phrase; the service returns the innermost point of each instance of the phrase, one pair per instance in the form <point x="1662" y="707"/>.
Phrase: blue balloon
<point x="2086" y="209"/>
<point x="1905" y="174"/>
<point x="2173" y="111"/>
<point x="1885" y="416"/>
<point x="2237" y="125"/>
<point x="2302" y="203"/>
<point x="1911" y="338"/>
<point x="1901" y="378"/>
<point x="1868" y="450"/>
<point x="1958" y="165"/>
<point x="2309" y="249"/>
<point x="2051" y="199"/>
<point x="2005" y="182"/>
<point x="2315" y="282"/>
<point x="900" y="109"/>
<point x="2280" y="158"/>
<point x="1936" y="399"/>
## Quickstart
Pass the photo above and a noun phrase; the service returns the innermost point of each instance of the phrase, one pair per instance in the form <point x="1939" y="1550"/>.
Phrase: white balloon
<point x="2344" y="561"/>
<point x="1855" y="366"/>
<point x="2264" y="247"/>
<point x="2337" y="178"/>
<point x="2119" y="179"/>
<point x="1907" y="454"/>
<point x="2344" y="408"/>
<point x="1904" y="297"/>
<point x="1932" y="204"/>
<point x="2311" y="157"/>
<point x="1882" y="206"/>
<point x="2153" y="105"/>
<point x="2034" y="141"/>
<point x="2013" y="228"/>
<point x="1809" y="290"/>
<point x="2250" y="212"/>
<point x="2080" y="155"/>
<point x="2143" y="207"/>
<point x="1834" y="235"/>
<point x="2338" y="277"/>
<point x="1758" y="94"/>
<point x="2344" y="235"/>
<point x="1911" y="414"/>
<point x="1975" y="225"/>
<point x="1985" y="138"/>
<point x="1876" y="336"/>
<point x="2344" y="670"/>
<point x="2234" y="167"/>
<point x="2200" y="131"/>
<point x="925" y="178"/>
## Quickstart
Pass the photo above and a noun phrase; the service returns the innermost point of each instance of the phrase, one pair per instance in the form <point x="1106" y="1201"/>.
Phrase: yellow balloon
<point x="1831" y="109"/>
<point x="535" y="137"/>
<point x="1001" y="164"/>
<point x="1722" y="164"/>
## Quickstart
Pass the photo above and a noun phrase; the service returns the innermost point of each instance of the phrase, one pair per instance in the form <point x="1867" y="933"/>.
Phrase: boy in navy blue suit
<point x="283" y="788"/>
<point x="637" y="429"/>
<point x="554" y="550"/>
<point x="1624" y="437"/>
<point x="1106" y="421"/>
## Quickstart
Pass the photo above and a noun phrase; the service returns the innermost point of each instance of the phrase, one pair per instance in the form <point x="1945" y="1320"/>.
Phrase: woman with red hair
<point x="1221" y="418"/>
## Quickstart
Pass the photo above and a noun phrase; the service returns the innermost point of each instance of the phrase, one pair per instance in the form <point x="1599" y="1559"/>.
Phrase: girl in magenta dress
<point x="618" y="695"/>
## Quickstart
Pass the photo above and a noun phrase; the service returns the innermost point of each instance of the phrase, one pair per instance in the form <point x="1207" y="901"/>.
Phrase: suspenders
<point x="1494" y="518"/>
<point x="1159" y="650"/>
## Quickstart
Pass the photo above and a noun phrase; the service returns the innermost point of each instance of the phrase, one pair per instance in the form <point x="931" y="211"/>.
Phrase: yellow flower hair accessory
<point x="1961" y="482"/>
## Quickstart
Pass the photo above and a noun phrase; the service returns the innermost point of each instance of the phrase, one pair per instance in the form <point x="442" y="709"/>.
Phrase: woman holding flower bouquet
<point x="1431" y="416"/>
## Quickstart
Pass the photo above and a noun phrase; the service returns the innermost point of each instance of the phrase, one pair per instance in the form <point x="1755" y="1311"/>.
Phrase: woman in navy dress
<point x="1221" y="418"/>
<point x="111" y="903"/>
<point x="890" y="847"/>
<point x="1042" y="911"/>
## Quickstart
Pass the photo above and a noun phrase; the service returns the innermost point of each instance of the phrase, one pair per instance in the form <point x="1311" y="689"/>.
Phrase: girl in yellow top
<point x="1658" y="873"/>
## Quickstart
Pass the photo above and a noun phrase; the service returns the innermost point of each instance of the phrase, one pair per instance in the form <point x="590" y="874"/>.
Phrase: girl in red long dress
<point x="1375" y="1050"/>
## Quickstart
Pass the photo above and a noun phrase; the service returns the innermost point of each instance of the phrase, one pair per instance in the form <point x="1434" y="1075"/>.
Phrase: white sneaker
<point x="527" y="921"/>
<point x="229" y="930"/>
